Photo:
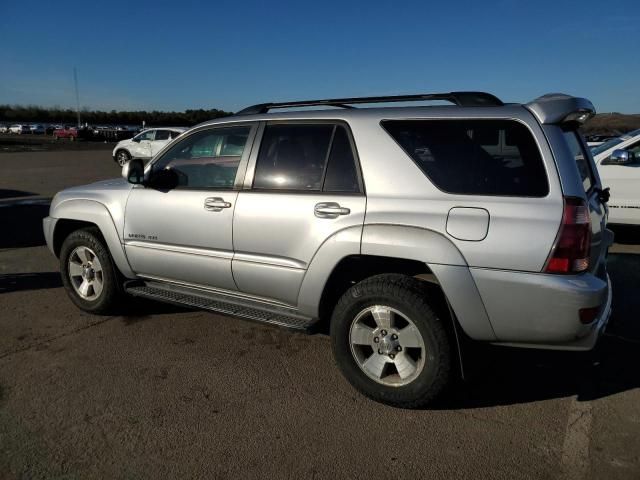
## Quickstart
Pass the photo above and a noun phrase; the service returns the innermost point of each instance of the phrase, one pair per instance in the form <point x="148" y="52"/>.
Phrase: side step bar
<point x="220" y="303"/>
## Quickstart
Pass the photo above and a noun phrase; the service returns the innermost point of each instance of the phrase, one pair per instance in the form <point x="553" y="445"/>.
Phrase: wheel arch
<point x="355" y="254"/>
<point x="72" y="215"/>
<point x="118" y="150"/>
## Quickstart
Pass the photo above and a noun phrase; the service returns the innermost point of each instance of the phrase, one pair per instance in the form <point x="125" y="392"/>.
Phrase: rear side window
<point x="582" y="161"/>
<point x="467" y="156"/>
<point x="311" y="158"/>
<point x="341" y="175"/>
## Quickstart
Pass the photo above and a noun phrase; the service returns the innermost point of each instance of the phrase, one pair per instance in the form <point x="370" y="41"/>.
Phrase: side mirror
<point x="133" y="171"/>
<point x="620" y="157"/>
<point x="136" y="139"/>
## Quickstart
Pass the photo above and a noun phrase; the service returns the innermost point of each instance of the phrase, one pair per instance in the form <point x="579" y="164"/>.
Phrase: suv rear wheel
<point x="389" y="343"/>
<point x="88" y="272"/>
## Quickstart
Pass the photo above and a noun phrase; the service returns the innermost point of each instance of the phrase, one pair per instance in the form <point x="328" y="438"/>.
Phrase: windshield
<point x="613" y="142"/>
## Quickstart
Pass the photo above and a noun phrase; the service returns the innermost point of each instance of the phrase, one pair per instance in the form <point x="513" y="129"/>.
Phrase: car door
<point x="624" y="183"/>
<point x="184" y="234"/>
<point x="303" y="185"/>
<point x="162" y="137"/>
<point x="141" y="145"/>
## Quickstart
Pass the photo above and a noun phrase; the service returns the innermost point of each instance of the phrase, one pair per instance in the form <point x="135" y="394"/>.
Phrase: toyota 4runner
<point x="405" y="229"/>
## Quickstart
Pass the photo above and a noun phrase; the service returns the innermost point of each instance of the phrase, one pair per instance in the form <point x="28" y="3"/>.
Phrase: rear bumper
<point x="541" y="310"/>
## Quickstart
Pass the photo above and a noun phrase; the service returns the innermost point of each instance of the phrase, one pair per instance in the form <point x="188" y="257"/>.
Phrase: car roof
<point x="378" y="113"/>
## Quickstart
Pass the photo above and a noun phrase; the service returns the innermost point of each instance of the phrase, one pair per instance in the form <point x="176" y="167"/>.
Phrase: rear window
<point x="469" y="157"/>
<point x="582" y="161"/>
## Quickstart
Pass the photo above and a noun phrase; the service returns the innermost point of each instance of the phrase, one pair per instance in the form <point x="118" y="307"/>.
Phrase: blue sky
<point x="218" y="54"/>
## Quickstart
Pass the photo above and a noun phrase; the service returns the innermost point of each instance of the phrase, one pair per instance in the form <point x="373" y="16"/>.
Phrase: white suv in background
<point x="618" y="163"/>
<point x="145" y="145"/>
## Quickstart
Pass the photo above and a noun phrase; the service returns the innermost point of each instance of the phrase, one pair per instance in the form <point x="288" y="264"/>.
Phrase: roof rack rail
<point x="462" y="99"/>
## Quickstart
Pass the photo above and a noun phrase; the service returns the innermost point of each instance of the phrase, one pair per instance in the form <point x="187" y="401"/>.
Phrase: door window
<point x="342" y="173"/>
<point x="162" y="135"/>
<point x="148" y="135"/>
<point x="635" y="149"/>
<point x="207" y="159"/>
<point x="310" y="158"/>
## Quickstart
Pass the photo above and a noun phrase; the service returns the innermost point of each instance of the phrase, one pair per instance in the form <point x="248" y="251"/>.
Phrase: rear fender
<point x="408" y="243"/>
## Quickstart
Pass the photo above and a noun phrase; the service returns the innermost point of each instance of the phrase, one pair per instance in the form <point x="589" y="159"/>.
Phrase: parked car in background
<point x="19" y="129"/>
<point x="4" y="128"/>
<point x="404" y="229"/>
<point x="66" y="132"/>
<point x="145" y="145"/>
<point x="618" y="163"/>
<point x="51" y="128"/>
<point x="597" y="140"/>
<point x="37" y="129"/>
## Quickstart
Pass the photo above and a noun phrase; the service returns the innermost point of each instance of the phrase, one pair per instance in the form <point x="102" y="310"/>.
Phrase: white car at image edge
<point x="618" y="163"/>
<point x="146" y="144"/>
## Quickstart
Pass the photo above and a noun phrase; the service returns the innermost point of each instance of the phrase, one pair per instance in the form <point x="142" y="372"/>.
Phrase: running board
<point x="220" y="303"/>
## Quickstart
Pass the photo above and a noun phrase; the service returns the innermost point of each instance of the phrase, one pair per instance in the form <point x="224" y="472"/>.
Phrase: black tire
<point x="121" y="157"/>
<point x="406" y="295"/>
<point x="110" y="300"/>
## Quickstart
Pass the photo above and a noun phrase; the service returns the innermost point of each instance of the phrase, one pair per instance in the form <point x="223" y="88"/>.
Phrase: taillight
<point x="571" y="252"/>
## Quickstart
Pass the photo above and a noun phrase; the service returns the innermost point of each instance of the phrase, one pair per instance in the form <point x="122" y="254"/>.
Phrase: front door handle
<point x="330" y="210"/>
<point x="215" y="204"/>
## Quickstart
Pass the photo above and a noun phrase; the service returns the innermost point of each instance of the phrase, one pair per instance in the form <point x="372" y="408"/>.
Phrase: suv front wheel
<point x="122" y="157"/>
<point x="89" y="274"/>
<point x="389" y="343"/>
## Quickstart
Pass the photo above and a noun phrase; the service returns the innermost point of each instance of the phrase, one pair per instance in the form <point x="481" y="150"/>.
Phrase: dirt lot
<point x="184" y="394"/>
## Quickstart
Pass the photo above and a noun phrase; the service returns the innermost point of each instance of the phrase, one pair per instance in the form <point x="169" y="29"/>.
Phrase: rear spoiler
<point x="560" y="108"/>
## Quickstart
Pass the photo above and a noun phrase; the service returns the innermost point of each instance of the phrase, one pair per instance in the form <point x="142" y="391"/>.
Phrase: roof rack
<point x="462" y="99"/>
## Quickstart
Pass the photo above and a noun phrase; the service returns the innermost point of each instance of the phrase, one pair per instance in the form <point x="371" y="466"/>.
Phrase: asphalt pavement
<point x="173" y="393"/>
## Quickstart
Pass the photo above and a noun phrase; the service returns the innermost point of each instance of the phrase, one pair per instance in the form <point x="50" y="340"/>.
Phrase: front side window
<point x="632" y="148"/>
<point x="635" y="149"/>
<point x="207" y="159"/>
<point x="460" y="156"/>
<point x="148" y="135"/>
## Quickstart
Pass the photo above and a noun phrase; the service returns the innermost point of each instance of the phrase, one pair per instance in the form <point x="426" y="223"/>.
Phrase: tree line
<point x="31" y="113"/>
<point x="611" y="123"/>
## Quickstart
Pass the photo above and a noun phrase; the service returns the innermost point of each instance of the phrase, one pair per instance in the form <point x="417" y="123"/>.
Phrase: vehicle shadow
<point x="16" y="282"/>
<point x="22" y="224"/>
<point x="14" y="193"/>
<point x="135" y="310"/>
<point x="504" y="376"/>
<point x="626" y="234"/>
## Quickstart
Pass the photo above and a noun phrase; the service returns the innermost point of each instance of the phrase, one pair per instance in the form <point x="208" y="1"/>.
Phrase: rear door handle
<point x="215" y="204"/>
<point x="330" y="210"/>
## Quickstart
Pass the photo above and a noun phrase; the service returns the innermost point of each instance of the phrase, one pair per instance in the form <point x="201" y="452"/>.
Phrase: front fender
<point x="92" y="212"/>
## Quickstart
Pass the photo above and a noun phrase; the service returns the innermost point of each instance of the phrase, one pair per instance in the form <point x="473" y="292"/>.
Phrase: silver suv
<point x="406" y="229"/>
